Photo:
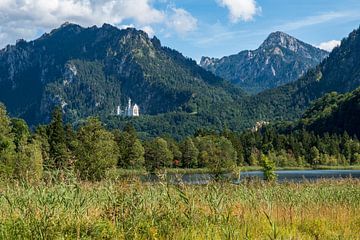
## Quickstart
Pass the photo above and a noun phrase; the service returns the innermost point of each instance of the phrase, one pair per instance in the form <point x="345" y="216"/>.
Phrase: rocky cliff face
<point x="89" y="71"/>
<point x="279" y="60"/>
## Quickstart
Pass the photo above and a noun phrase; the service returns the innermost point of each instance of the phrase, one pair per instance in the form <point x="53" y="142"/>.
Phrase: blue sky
<point x="196" y="28"/>
<point x="313" y="21"/>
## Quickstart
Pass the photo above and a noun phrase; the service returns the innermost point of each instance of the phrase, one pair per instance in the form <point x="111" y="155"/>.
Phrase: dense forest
<point x="90" y="71"/>
<point x="91" y="150"/>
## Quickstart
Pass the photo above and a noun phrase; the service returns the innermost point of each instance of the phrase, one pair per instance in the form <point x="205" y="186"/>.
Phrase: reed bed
<point x="133" y="210"/>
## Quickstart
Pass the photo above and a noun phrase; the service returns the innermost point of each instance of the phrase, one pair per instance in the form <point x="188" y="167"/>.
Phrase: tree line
<point x="90" y="150"/>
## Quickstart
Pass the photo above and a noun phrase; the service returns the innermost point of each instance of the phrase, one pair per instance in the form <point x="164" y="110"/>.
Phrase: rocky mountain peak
<point x="280" y="39"/>
<point x="207" y="61"/>
<point x="279" y="60"/>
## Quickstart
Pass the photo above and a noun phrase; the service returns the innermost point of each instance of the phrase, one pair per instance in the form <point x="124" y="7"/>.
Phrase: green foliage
<point x="216" y="153"/>
<point x="334" y="113"/>
<point x="29" y="162"/>
<point x="41" y="136"/>
<point x="7" y="146"/>
<point x="268" y="168"/>
<point x="338" y="73"/>
<point x="131" y="150"/>
<point x="157" y="154"/>
<point x="190" y="154"/>
<point x="20" y="155"/>
<point x="314" y="156"/>
<point x="29" y="159"/>
<point x="96" y="150"/>
<point x="20" y="131"/>
<point x="59" y="153"/>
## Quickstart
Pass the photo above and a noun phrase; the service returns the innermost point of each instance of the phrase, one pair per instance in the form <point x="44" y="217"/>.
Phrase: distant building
<point x="259" y="125"/>
<point x="132" y="110"/>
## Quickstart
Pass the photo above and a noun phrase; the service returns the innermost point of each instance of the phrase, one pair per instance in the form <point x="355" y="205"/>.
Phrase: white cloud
<point x="244" y="10"/>
<point x="27" y="18"/>
<point x="330" y="45"/>
<point x="319" y="19"/>
<point x="181" y="21"/>
<point x="149" y="30"/>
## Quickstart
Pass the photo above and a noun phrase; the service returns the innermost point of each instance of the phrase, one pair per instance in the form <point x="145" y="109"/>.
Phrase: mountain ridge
<point x="280" y="59"/>
<point x="89" y="71"/>
<point x="337" y="73"/>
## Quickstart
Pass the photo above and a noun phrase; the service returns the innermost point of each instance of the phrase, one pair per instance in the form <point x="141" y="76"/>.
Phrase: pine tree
<point x="59" y="153"/>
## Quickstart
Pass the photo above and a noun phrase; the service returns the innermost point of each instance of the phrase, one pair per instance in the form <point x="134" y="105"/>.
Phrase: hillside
<point x="334" y="113"/>
<point x="279" y="60"/>
<point x="340" y="72"/>
<point x="89" y="71"/>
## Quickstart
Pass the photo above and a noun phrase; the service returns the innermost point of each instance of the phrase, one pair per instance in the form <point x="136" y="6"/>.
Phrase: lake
<point x="282" y="176"/>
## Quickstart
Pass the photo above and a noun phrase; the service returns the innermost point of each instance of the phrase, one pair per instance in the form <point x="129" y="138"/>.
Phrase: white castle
<point x="130" y="110"/>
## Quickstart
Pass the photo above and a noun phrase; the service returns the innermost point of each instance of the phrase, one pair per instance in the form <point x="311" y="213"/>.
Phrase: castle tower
<point x="129" y="109"/>
<point x="136" y="111"/>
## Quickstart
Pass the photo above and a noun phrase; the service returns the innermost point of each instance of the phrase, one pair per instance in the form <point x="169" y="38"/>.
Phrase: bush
<point x="268" y="168"/>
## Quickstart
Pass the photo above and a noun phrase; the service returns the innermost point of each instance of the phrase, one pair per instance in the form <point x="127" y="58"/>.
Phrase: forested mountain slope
<point x="89" y="71"/>
<point x="340" y="72"/>
<point x="334" y="113"/>
<point x="279" y="60"/>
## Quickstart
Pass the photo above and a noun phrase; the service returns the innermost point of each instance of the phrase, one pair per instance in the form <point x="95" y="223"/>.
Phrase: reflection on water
<point x="283" y="176"/>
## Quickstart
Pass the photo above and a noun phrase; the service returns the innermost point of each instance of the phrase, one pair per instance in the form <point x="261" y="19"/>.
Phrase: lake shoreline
<point x="184" y="171"/>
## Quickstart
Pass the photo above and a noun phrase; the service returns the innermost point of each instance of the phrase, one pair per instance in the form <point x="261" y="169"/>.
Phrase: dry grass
<point x="133" y="210"/>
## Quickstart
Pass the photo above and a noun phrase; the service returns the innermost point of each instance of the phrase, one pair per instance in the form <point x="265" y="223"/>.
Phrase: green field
<point x="133" y="210"/>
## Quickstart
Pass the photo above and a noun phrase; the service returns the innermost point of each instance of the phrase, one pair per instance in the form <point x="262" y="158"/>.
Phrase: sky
<point x="196" y="28"/>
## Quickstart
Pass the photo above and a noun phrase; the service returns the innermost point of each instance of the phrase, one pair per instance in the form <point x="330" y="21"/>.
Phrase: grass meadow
<point x="130" y="209"/>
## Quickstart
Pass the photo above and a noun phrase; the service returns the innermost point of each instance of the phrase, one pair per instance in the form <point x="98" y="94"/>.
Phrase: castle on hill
<point x="132" y="110"/>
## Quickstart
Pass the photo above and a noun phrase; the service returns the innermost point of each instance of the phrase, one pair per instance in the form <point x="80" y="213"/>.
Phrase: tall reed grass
<point x="134" y="210"/>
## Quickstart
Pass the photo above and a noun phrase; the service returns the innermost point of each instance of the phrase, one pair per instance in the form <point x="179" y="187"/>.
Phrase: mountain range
<point x="340" y="72"/>
<point x="279" y="60"/>
<point x="90" y="71"/>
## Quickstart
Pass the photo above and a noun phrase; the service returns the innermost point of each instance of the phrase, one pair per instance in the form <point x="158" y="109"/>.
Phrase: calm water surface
<point x="283" y="176"/>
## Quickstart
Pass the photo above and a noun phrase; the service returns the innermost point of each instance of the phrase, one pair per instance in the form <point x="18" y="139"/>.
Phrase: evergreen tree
<point x="59" y="153"/>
